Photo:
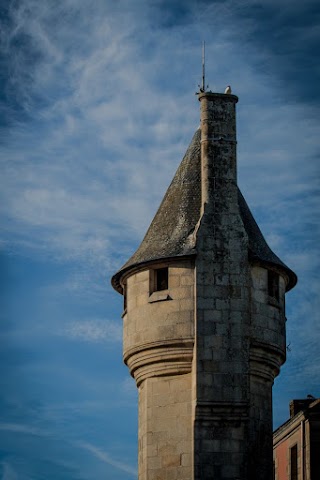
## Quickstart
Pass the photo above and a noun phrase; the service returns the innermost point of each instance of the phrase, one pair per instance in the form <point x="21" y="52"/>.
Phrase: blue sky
<point x="97" y="104"/>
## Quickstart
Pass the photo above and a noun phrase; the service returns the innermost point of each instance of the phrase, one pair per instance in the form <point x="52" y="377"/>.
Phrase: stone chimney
<point x="296" y="406"/>
<point x="218" y="144"/>
<point x="221" y="360"/>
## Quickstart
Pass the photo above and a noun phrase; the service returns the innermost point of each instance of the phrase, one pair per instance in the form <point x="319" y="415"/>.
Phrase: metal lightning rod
<point x="203" y="87"/>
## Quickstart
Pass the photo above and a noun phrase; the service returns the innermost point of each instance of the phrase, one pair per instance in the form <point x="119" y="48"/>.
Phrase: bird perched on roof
<point x="228" y="90"/>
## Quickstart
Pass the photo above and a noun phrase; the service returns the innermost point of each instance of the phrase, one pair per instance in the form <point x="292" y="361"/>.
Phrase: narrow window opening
<point x="161" y="280"/>
<point x="124" y="298"/>
<point x="294" y="463"/>
<point x="273" y="285"/>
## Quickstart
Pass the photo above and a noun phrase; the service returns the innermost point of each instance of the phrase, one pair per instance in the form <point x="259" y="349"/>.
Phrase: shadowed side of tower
<point x="222" y="333"/>
<point x="204" y="319"/>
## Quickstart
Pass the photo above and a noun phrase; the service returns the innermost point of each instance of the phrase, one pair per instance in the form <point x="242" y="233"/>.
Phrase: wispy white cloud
<point x="94" y="200"/>
<point x="115" y="118"/>
<point x="128" y="386"/>
<point x="95" y="330"/>
<point x="23" y="428"/>
<point x="8" y="472"/>
<point x="108" y="97"/>
<point x="103" y="456"/>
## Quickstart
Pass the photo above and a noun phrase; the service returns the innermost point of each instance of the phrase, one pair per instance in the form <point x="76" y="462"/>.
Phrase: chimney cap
<point x="299" y="405"/>
<point x="228" y="97"/>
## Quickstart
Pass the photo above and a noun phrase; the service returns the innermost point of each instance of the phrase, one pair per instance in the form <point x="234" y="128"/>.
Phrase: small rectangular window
<point x="273" y="285"/>
<point x="294" y="463"/>
<point x="159" y="285"/>
<point x="161" y="279"/>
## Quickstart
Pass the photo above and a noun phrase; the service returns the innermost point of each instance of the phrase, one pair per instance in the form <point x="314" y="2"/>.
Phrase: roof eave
<point x="117" y="279"/>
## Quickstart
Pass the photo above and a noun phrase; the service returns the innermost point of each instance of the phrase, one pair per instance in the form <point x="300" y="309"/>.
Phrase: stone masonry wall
<point x="158" y="348"/>
<point x="221" y="361"/>
<point x="148" y="319"/>
<point x="267" y="353"/>
<point x="165" y="428"/>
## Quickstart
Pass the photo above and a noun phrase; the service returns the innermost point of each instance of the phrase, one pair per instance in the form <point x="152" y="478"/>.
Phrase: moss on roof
<point x="170" y="233"/>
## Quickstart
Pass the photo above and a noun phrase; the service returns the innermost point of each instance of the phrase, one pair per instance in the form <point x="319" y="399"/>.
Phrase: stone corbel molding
<point x="156" y="359"/>
<point x="265" y="360"/>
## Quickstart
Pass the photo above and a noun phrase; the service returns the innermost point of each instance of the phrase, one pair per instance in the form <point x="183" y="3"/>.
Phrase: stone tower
<point x="204" y="319"/>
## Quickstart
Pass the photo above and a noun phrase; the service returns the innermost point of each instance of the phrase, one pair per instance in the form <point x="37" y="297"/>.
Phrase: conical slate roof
<point x="171" y="231"/>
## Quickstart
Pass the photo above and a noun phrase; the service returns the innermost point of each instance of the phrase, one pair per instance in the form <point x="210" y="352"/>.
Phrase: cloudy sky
<point x="97" y="104"/>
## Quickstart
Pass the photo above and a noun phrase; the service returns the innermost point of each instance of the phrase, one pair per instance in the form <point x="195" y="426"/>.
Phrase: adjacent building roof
<point x="171" y="231"/>
<point x="298" y="409"/>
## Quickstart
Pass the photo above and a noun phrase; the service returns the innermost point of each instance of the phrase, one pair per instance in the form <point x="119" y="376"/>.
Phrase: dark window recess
<point x="161" y="279"/>
<point x="273" y="285"/>
<point x="294" y="463"/>
<point x="125" y="297"/>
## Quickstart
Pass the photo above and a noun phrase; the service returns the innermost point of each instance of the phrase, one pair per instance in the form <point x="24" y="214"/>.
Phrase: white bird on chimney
<point x="228" y="90"/>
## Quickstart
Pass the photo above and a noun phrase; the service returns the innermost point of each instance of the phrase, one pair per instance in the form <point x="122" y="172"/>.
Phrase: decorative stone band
<point x="157" y="359"/>
<point x="229" y="411"/>
<point x="265" y="360"/>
